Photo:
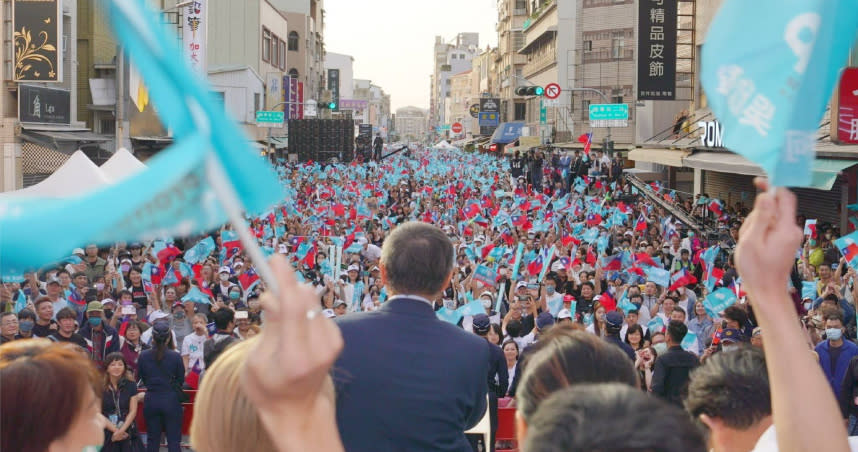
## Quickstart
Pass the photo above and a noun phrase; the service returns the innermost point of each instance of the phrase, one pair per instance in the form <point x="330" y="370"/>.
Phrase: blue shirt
<point x="157" y="376"/>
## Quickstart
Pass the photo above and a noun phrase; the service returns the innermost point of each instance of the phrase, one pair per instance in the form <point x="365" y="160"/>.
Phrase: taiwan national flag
<point x="613" y="263"/>
<point x="587" y="139"/>
<point x="591" y="257"/>
<point x="507" y="237"/>
<point x="640" y="224"/>
<point x="471" y="210"/>
<point x="594" y="219"/>
<point x="568" y="239"/>
<point x="848" y="246"/>
<point x="644" y="258"/>
<point x="519" y="220"/>
<point x="248" y="279"/>
<point x="716" y="208"/>
<point x="608" y="302"/>
<point x="810" y="228"/>
<point x="535" y="266"/>
<point x="230" y="242"/>
<point x="486" y="250"/>
<point x="168" y="253"/>
<point x="681" y="278"/>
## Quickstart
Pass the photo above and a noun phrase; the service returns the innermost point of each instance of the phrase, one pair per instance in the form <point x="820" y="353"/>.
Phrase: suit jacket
<point x="407" y="381"/>
<point x="671" y="373"/>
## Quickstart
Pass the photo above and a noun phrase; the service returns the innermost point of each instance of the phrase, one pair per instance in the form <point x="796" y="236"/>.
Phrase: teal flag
<point x="175" y="195"/>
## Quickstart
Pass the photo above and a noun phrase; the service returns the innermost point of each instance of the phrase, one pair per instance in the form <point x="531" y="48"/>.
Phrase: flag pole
<point x="228" y="198"/>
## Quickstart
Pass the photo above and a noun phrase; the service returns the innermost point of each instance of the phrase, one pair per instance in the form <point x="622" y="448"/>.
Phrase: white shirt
<point x="372" y="252"/>
<point x="192" y="347"/>
<point x="524" y="341"/>
<point x="768" y="441"/>
<point x="626" y="328"/>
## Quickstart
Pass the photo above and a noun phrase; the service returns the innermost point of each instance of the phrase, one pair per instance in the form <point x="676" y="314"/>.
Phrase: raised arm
<point x="801" y="395"/>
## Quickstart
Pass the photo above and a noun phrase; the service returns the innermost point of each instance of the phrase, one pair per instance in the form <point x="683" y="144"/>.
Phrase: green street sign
<point x="445" y="127"/>
<point x="270" y="117"/>
<point x="609" y="112"/>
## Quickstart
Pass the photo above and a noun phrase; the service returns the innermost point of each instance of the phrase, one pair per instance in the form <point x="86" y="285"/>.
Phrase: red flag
<point x="640" y="225"/>
<point x="591" y="258"/>
<point x="613" y="263"/>
<point x="644" y="258"/>
<point x="587" y="139"/>
<point x="535" y="266"/>
<point x="168" y="253"/>
<point x="569" y="238"/>
<point x="487" y="249"/>
<point x="339" y="210"/>
<point x="681" y="278"/>
<point x="594" y="219"/>
<point x="349" y="240"/>
<point x="608" y="302"/>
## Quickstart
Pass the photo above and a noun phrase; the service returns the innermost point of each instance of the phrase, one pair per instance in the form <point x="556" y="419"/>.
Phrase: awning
<point x="507" y="132"/>
<point x="54" y="136"/>
<point x="668" y="157"/>
<point x="536" y="35"/>
<point x="825" y="171"/>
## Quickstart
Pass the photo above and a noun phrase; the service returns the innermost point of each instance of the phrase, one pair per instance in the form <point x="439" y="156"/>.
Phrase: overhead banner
<point x="38" y="30"/>
<point x="194" y="35"/>
<point x="273" y="92"/>
<point x="657" y="49"/>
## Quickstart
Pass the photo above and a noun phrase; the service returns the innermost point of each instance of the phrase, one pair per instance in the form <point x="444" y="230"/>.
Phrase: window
<point x="517" y="39"/>
<point x="293" y="73"/>
<point x="520" y="111"/>
<point x="266" y="45"/>
<point x="275" y="54"/>
<point x="585" y="110"/>
<point x="588" y="46"/>
<point x="617" y="44"/>
<point x="293" y="41"/>
<point x="257" y="104"/>
<point x="282" y="55"/>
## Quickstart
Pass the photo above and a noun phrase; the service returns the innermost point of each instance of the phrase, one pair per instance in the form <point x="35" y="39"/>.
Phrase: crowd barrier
<point x="506" y="421"/>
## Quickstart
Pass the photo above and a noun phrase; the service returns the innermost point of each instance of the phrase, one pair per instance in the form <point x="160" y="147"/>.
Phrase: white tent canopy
<point x="121" y="165"/>
<point x="77" y="175"/>
<point x="443" y="144"/>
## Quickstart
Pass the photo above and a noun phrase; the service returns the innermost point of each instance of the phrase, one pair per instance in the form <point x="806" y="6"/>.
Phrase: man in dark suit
<point x="407" y="381"/>
<point x="671" y="372"/>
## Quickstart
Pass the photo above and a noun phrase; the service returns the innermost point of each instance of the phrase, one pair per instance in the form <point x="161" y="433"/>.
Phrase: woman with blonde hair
<point x="225" y="419"/>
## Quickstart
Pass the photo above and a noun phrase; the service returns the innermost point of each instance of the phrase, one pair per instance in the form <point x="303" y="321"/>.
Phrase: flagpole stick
<point x="228" y="198"/>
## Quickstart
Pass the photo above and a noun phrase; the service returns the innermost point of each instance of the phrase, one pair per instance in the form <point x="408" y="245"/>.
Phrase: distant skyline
<point x="392" y="41"/>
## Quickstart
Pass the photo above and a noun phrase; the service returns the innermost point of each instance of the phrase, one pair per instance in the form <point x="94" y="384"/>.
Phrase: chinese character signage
<point x="657" y="50"/>
<point x="847" y="108"/>
<point x="293" y="95"/>
<point x="37" y="34"/>
<point x="37" y="104"/>
<point x="194" y="27"/>
<point x="489" y="115"/>
<point x="273" y="89"/>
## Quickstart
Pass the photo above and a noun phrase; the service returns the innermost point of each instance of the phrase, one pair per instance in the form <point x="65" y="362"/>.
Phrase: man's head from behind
<point x="730" y="395"/>
<point x="417" y="258"/>
<point x="223" y="319"/>
<point x="676" y="331"/>
<point x="610" y="417"/>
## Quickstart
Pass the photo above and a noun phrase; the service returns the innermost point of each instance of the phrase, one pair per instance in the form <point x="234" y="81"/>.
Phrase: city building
<point x="39" y="133"/>
<point x="305" y="43"/>
<point x="379" y="110"/>
<point x="411" y="123"/>
<point x="511" y="17"/>
<point x="345" y="65"/>
<point x="456" y="105"/>
<point x="243" y="57"/>
<point x="450" y="58"/>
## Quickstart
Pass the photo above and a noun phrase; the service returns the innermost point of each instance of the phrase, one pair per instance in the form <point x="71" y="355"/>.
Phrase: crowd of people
<point x="570" y="274"/>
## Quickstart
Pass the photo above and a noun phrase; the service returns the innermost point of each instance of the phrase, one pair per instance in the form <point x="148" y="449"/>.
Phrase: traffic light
<point x="529" y="91"/>
<point x="329" y="106"/>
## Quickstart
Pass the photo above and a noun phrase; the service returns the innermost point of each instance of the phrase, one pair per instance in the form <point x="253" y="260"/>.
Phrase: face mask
<point x="660" y="348"/>
<point x="179" y="315"/>
<point x="99" y="286"/>
<point x="807" y="306"/>
<point x="487" y="303"/>
<point x="108" y="313"/>
<point x="549" y="290"/>
<point x="322" y="261"/>
<point x="95" y="321"/>
<point x="125" y="268"/>
<point x="811" y="242"/>
<point x="833" y="334"/>
<point x="729" y="348"/>
<point x="25" y="326"/>
<point x="224" y="277"/>
<point x="234" y="295"/>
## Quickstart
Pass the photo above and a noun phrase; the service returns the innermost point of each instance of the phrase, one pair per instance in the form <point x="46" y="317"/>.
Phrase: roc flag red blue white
<point x="535" y="266"/>
<point x="681" y="278"/>
<point x="640" y="224"/>
<point x="716" y="208"/>
<point x="594" y="219"/>
<point x="248" y="279"/>
<point x="587" y="139"/>
<point x="848" y="246"/>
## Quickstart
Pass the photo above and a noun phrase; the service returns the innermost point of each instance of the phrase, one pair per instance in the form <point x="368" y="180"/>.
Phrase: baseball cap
<point x="564" y="314"/>
<point x="329" y="313"/>
<point x="108" y="301"/>
<point x="614" y="319"/>
<point x="94" y="306"/>
<point x="338" y="303"/>
<point x="160" y="328"/>
<point x="481" y="324"/>
<point x="354" y="267"/>
<point x="521" y="284"/>
<point x="157" y="315"/>
<point x="731" y="335"/>
<point x="178" y="304"/>
<point x="78" y="251"/>
<point x="225" y="269"/>
<point x="568" y="297"/>
<point x="557" y="266"/>
<point x="125" y="261"/>
<point x="53" y="281"/>
<point x="544" y="320"/>
<point x="374" y="269"/>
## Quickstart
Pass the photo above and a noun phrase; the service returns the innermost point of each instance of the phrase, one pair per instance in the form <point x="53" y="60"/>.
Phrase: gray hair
<point x="417" y="258"/>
